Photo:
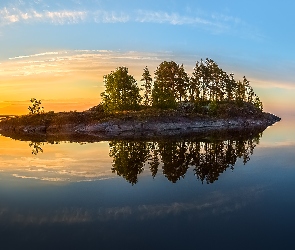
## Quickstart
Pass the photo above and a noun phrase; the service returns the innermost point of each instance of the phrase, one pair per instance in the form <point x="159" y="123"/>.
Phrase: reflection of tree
<point x="154" y="159"/>
<point x="214" y="158"/>
<point x="128" y="158"/>
<point x="174" y="158"/>
<point x="36" y="147"/>
<point x="208" y="158"/>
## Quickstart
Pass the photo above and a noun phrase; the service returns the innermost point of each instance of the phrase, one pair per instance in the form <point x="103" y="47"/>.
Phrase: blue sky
<point x="252" y="38"/>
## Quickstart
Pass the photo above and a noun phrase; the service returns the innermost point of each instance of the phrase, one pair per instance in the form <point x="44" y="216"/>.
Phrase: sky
<point x="59" y="51"/>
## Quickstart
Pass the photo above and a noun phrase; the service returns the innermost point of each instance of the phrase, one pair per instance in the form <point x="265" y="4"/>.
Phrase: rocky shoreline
<point x="150" y="128"/>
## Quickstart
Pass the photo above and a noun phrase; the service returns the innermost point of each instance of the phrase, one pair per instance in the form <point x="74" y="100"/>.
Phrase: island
<point x="171" y="104"/>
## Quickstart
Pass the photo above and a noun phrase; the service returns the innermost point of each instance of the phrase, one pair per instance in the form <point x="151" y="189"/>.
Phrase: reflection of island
<point x="209" y="154"/>
<point x="209" y="158"/>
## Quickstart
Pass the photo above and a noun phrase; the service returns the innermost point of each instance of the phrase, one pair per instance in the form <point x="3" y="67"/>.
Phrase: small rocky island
<point x="173" y="103"/>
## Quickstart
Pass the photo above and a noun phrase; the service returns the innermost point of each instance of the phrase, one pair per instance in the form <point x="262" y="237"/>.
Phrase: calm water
<point x="234" y="193"/>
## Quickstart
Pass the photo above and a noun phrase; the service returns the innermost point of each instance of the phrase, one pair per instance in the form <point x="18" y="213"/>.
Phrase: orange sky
<point x="73" y="80"/>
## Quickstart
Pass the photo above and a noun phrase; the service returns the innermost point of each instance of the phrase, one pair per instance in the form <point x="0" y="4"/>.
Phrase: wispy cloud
<point x="96" y="63"/>
<point x="225" y="18"/>
<point x="13" y="15"/>
<point x="9" y="16"/>
<point x="62" y="17"/>
<point x="171" y="18"/>
<point x="109" y="17"/>
<point x="58" y="63"/>
<point x="34" y="55"/>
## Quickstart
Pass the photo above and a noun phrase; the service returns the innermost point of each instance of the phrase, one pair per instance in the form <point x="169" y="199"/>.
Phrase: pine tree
<point x="147" y="86"/>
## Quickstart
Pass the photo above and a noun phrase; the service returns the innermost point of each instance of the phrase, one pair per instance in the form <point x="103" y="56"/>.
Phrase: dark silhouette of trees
<point x="122" y="92"/>
<point x="36" y="107"/>
<point x="154" y="160"/>
<point x="128" y="159"/>
<point x="147" y="86"/>
<point x="170" y="85"/>
<point x="208" y="159"/>
<point x="174" y="157"/>
<point x="210" y="83"/>
<point x="230" y="86"/>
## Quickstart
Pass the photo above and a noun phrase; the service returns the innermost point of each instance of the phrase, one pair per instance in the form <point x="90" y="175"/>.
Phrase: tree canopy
<point x="147" y="86"/>
<point x="36" y="107"/>
<point x="122" y="92"/>
<point x="172" y="85"/>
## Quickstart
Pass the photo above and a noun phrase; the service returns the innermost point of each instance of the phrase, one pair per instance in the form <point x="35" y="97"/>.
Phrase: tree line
<point x="171" y="85"/>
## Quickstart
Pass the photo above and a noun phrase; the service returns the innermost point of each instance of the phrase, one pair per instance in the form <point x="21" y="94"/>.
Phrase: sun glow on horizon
<point x="73" y="79"/>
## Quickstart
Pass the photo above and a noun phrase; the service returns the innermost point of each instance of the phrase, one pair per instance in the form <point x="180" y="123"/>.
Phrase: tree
<point x="195" y="84"/>
<point x="171" y="84"/>
<point x="163" y="98"/>
<point x="257" y="102"/>
<point x="182" y="83"/>
<point x="207" y="82"/>
<point x="147" y="86"/>
<point x="36" y="107"/>
<point x="122" y="92"/>
<point x="230" y="86"/>
<point x="199" y="82"/>
<point x="217" y="81"/>
<point x="240" y="92"/>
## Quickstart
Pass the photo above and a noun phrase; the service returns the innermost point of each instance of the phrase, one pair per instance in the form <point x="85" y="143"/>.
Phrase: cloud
<point x="14" y="15"/>
<point x="225" y="18"/>
<point x="109" y="17"/>
<point x="94" y="64"/>
<point x="171" y="18"/>
<point x="59" y="63"/>
<point x="64" y="17"/>
<point x="34" y="55"/>
<point x="11" y="15"/>
<point x="79" y="12"/>
<point x="274" y="84"/>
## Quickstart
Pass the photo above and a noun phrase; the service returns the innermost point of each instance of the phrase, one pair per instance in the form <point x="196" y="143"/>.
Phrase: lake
<point x="235" y="192"/>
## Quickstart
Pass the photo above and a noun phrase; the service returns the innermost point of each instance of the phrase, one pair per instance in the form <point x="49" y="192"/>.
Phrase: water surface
<point x="235" y="193"/>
